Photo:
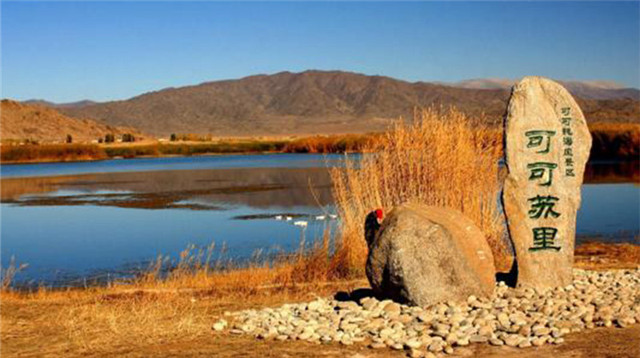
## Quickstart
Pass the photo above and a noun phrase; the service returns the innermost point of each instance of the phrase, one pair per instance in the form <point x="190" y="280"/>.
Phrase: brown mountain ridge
<point x="19" y="121"/>
<point x="310" y="102"/>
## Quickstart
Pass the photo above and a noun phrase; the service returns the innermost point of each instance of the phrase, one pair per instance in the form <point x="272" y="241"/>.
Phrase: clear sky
<point x="67" y="51"/>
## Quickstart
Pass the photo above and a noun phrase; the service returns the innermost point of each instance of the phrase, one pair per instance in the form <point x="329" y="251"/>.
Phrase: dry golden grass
<point x="50" y="152"/>
<point x="610" y="141"/>
<point x="442" y="158"/>
<point x="601" y="256"/>
<point x="164" y="304"/>
<point x="120" y="320"/>
<point x="615" y="141"/>
<point x="197" y="270"/>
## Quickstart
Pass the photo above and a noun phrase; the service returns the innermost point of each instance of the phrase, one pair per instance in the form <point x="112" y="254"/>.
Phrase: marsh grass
<point x="331" y="144"/>
<point x="50" y="152"/>
<point x="170" y="301"/>
<point x="8" y="274"/>
<point x="610" y="141"/>
<point x="615" y="140"/>
<point x="441" y="158"/>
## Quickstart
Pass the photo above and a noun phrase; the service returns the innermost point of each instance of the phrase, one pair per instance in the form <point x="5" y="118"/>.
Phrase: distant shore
<point x="43" y="153"/>
<point x="610" y="142"/>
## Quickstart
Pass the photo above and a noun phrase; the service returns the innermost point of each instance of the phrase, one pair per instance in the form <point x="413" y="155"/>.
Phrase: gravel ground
<point x="521" y="317"/>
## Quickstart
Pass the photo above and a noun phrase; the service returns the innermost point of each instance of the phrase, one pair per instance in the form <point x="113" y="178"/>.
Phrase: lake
<point x="72" y="221"/>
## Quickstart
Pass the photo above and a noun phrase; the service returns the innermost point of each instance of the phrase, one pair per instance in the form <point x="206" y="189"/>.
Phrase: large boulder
<point x="423" y="255"/>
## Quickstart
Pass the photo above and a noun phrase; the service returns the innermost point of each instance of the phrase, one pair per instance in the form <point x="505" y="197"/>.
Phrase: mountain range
<point x="312" y="102"/>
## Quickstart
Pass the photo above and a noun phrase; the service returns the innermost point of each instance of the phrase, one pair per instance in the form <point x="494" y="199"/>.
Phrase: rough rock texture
<point x="547" y="147"/>
<point x="423" y="255"/>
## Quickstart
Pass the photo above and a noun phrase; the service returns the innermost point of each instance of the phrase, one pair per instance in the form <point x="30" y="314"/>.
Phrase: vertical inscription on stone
<point x="547" y="147"/>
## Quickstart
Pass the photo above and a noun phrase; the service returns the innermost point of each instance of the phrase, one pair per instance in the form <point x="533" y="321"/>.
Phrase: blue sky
<point x="67" y="51"/>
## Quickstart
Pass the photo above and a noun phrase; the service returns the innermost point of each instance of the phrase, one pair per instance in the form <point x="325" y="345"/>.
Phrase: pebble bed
<point x="515" y="317"/>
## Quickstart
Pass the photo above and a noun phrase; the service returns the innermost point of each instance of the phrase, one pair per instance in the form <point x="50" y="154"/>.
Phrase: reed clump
<point x="50" y="152"/>
<point x="615" y="141"/>
<point x="331" y="144"/>
<point x="441" y="158"/>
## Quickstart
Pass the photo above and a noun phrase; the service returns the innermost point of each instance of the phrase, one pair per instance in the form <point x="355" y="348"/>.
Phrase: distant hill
<point x="21" y="121"/>
<point x="319" y="102"/>
<point x="42" y="102"/>
<point x="583" y="89"/>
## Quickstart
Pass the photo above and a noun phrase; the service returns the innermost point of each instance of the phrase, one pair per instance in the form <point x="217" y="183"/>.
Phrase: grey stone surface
<point x="424" y="255"/>
<point x="547" y="147"/>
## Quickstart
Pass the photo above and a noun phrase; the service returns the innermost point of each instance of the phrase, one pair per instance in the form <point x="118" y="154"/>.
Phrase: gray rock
<point x="512" y="340"/>
<point x="547" y="147"/>
<point x="547" y="316"/>
<point x="392" y="307"/>
<point x="435" y="347"/>
<point x="478" y="339"/>
<point x="448" y="350"/>
<point x="413" y="343"/>
<point x="424" y="255"/>
<point x="416" y="353"/>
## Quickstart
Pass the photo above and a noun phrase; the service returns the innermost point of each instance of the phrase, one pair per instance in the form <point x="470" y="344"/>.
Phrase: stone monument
<point x="547" y="145"/>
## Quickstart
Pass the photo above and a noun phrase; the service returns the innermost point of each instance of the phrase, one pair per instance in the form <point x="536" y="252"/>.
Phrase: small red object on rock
<point x="379" y="214"/>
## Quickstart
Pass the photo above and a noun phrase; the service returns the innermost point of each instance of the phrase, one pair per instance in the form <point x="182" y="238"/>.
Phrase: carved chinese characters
<point x="547" y="147"/>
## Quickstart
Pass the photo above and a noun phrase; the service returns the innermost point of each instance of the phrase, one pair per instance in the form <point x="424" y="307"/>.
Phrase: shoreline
<point x="215" y="154"/>
<point x="53" y="161"/>
<point x="588" y="255"/>
<point x="615" y="142"/>
<point x="153" y="319"/>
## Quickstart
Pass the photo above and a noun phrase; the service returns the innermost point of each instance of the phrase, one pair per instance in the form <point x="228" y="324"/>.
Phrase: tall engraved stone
<point x="547" y="147"/>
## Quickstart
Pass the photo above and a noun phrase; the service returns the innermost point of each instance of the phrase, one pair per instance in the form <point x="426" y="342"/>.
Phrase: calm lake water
<point x="70" y="221"/>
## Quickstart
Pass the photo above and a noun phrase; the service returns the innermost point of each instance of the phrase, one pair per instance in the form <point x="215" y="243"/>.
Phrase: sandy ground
<point x="603" y="342"/>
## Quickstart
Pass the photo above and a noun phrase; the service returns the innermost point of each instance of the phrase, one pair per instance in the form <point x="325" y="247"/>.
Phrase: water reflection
<point x="612" y="172"/>
<point x="255" y="187"/>
<point x="72" y="226"/>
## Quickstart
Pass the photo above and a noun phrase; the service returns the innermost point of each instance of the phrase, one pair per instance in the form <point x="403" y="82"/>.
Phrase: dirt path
<point x="604" y="342"/>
